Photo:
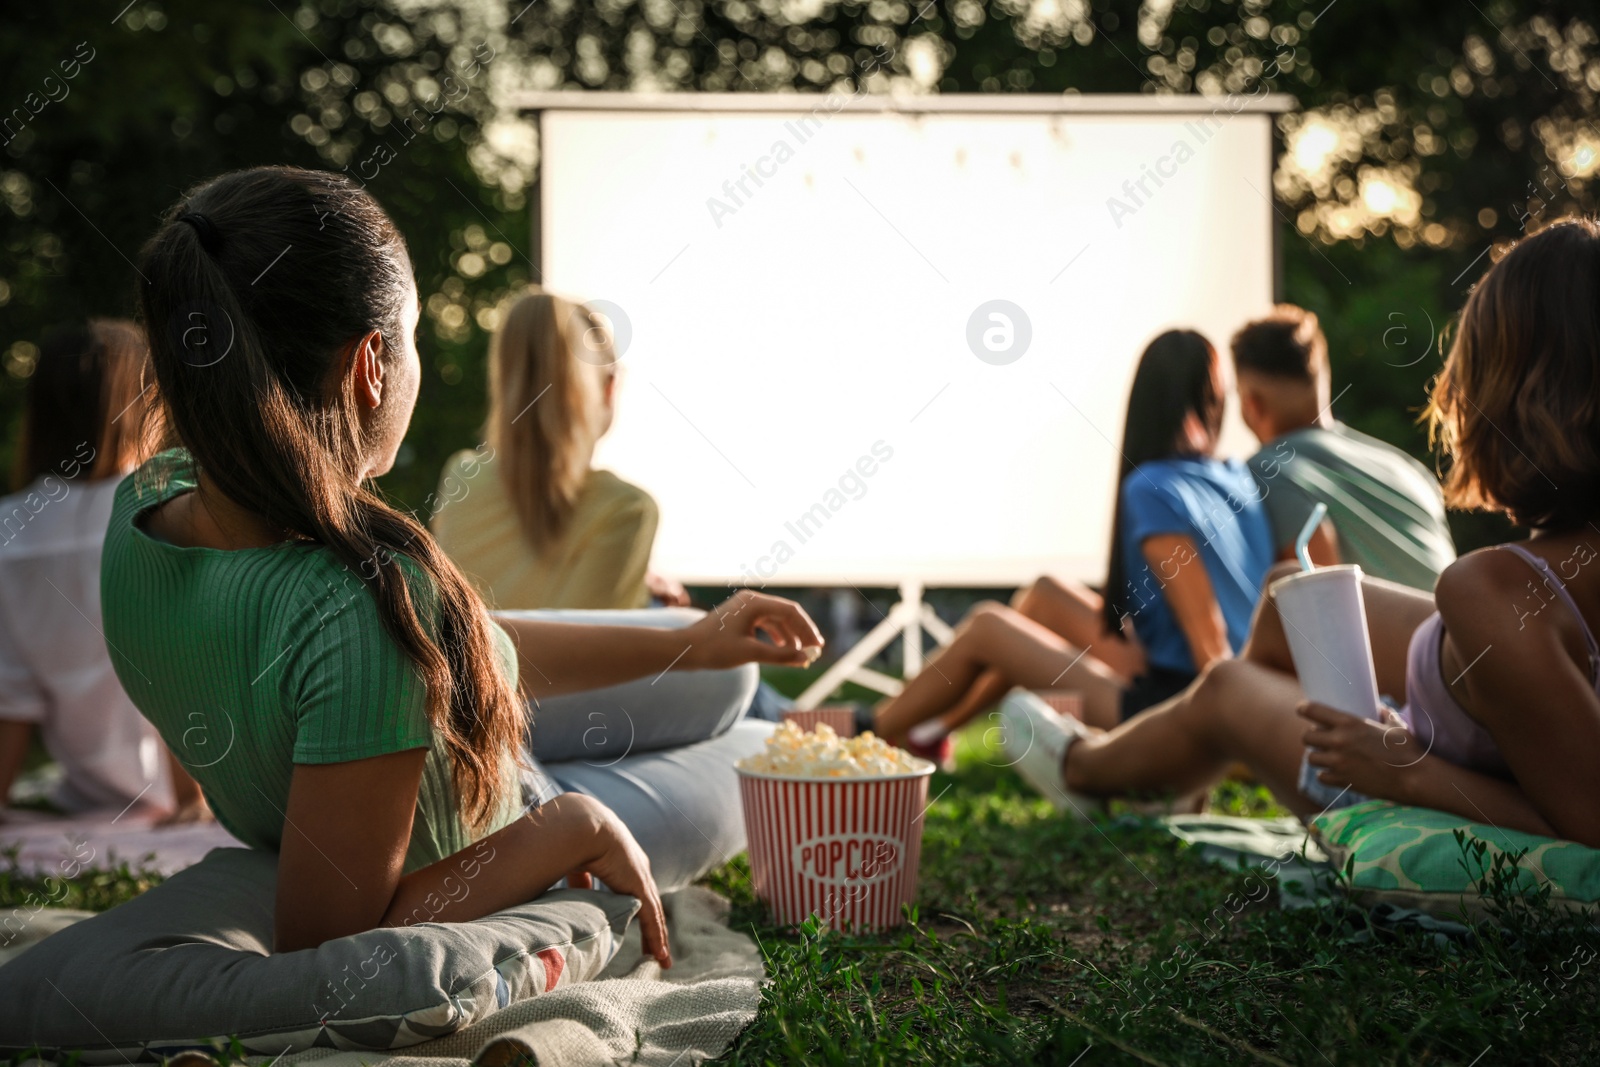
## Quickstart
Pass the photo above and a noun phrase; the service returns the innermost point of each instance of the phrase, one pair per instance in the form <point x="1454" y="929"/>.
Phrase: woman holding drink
<point x="1499" y="670"/>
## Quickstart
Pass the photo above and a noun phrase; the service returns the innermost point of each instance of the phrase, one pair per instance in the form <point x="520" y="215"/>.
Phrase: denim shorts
<point x="1155" y="685"/>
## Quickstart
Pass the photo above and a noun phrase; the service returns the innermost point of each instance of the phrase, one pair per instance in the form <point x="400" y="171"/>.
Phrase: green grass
<point x="1040" y="940"/>
<point x="1037" y="939"/>
<point x="95" y="890"/>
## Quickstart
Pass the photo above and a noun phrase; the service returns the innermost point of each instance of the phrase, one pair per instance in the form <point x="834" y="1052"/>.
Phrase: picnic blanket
<point x="1280" y="845"/>
<point x="1305" y="877"/>
<point x="103" y="840"/>
<point x="634" y="1013"/>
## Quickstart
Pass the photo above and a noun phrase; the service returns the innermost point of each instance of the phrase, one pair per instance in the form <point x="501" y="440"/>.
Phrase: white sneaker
<point x="1036" y="741"/>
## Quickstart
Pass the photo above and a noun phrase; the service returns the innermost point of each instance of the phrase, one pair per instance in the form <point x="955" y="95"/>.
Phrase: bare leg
<point x="1236" y="712"/>
<point x="1020" y="651"/>
<point x="1076" y="613"/>
<point x="1240" y="710"/>
<point x="1073" y="612"/>
<point x="983" y="693"/>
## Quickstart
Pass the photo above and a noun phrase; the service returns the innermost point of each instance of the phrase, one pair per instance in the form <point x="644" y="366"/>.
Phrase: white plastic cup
<point x="1325" y="621"/>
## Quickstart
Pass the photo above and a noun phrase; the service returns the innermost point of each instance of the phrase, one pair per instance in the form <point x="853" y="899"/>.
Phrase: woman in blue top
<point x="1190" y="548"/>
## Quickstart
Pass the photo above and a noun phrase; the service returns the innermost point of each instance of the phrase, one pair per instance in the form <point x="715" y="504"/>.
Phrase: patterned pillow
<point x="189" y="965"/>
<point x="1410" y="857"/>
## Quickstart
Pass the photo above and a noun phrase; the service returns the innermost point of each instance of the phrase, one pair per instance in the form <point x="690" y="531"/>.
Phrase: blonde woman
<point x="526" y="517"/>
<point x="546" y="536"/>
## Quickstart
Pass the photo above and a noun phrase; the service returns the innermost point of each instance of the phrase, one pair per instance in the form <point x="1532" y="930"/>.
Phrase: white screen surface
<point x="783" y="340"/>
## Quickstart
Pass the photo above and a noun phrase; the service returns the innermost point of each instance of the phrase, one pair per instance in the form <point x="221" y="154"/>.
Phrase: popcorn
<point x="824" y="754"/>
<point x="834" y="827"/>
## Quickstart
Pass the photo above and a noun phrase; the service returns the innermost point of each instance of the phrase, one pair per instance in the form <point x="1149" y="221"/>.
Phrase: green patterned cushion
<point x="1411" y="857"/>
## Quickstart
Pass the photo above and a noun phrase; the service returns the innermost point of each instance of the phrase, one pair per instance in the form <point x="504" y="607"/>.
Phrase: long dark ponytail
<point x="251" y="287"/>
<point x="1176" y="378"/>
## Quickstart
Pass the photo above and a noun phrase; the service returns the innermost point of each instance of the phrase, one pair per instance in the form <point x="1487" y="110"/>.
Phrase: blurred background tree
<point x="1425" y="134"/>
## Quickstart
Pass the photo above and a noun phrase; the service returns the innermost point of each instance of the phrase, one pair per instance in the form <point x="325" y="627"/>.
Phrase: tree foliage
<point x="1424" y="134"/>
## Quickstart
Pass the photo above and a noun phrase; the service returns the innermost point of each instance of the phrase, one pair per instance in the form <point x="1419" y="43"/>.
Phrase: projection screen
<point x="869" y="340"/>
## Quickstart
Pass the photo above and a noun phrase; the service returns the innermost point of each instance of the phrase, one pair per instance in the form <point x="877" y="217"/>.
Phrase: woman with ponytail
<point x="322" y="669"/>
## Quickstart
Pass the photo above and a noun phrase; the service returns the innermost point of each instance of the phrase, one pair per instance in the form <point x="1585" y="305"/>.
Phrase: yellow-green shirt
<point x="249" y="661"/>
<point x="599" y="561"/>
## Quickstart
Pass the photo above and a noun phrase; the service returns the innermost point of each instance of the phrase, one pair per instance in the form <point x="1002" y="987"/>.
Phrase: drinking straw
<point x="1302" y="544"/>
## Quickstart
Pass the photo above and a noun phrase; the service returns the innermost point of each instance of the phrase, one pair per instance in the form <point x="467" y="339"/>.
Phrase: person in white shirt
<point x="91" y="417"/>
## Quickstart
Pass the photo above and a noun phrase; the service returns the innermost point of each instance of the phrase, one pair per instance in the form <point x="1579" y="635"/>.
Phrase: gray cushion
<point x="190" y="962"/>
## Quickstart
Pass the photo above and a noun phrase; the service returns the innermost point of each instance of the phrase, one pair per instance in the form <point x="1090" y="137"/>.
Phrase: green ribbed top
<point x="249" y="661"/>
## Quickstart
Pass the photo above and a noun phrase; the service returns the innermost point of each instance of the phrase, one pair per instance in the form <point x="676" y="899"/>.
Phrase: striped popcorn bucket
<point x="841" y="718"/>
<point x="846" y="850"/>
<point x="1065" y="702"/>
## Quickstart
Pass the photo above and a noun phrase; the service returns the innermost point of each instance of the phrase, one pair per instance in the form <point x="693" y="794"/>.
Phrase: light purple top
<point x="1432" y="714"/>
